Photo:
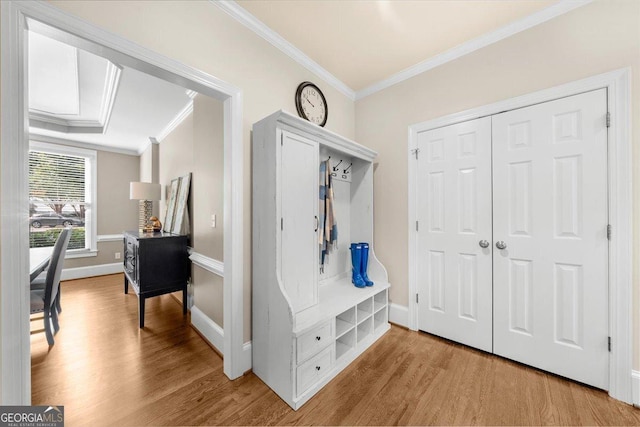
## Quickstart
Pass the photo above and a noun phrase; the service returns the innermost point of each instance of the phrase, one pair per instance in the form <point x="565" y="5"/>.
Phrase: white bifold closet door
<point x="550" y="210"/>
<point x="532" y="182"/>
<point x="454" y="216"/>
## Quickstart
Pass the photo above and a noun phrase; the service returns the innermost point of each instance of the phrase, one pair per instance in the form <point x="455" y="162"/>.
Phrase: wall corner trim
<point x="241" y="15"/>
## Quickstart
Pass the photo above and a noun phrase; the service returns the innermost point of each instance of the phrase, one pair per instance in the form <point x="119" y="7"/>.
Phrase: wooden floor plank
<point x="106" y="372"/>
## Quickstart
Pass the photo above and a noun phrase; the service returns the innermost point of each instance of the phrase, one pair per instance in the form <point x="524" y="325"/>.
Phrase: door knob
<point x="483" y="244"/>
<point x="501" y="245"/>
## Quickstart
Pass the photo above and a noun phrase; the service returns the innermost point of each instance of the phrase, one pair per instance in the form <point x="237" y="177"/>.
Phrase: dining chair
<point x="38" y="282"/>
<point x="44" y="300"/>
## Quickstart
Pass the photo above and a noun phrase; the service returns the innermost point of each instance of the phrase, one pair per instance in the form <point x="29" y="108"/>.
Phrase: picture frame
<point x="181" y="210"/>
<point x="171" y="205"/>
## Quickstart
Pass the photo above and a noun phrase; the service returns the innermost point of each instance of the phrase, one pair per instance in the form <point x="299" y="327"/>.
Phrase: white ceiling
<point x="77" y="96"/>
<point x="364" y="42"/>
<point x="80" y="97"/>
<point x="53" y="76"/>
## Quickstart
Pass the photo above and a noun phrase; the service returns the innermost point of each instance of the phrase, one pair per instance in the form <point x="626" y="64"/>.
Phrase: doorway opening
<point x="16" y="18"/>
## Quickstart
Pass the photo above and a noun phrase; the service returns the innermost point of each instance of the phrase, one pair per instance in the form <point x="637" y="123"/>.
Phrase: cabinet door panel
<point x="299" y="209"/>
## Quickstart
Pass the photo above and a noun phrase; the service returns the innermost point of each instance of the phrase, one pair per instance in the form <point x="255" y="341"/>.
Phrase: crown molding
<point x="80" y="144"/>
<point x="179" y="118"/>
<point x="254" y="24"/>
<point x="508" y="30"/>
<point x="111" y="85"/>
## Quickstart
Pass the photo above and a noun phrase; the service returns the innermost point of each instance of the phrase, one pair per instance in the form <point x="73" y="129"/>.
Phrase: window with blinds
<point x="58" y="197"/>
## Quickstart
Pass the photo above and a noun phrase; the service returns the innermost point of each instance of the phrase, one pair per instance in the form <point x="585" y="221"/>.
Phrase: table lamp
<point x="145" y="192"/>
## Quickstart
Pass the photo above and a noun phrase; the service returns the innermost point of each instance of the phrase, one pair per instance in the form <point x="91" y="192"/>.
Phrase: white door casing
<point x="454" y="216"/>
<point x="299" y="213"/>
<point x="550" y="209"/>
<point x="16" y="367"/>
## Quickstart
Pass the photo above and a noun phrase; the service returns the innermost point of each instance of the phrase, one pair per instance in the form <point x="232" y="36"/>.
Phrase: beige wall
<point x="175" y="158"/>
<point x="199" y="34"/>
<point x="593" y="39"/>
<point x="208" y="176"/>
<point x="149" y="170"/>
<point x="116" y="212"/>
<point x="197" y="146"/>
<point x="208" y="199"/>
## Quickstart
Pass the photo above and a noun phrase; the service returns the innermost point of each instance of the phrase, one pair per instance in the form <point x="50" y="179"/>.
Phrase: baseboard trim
<point x="91" y="271"/>
<point x="247" y="363"/>
<point x="208" y="329"/>
<point x="399" y="314"/>
<point x="635" y="388"/>
<point x="214" y="334"/>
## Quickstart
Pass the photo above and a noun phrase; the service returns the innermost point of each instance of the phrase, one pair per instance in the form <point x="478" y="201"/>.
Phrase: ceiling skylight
<point x="53" y="76"/>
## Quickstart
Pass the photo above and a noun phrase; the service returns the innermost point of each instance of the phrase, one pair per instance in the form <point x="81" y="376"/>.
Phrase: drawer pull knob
<point x="317" y="338"/>
<point x="317" y="368"/>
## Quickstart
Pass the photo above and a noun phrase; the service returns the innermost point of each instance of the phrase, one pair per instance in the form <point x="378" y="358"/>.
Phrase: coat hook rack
<point x="335" y="168"/>
<point x="346" y="170"/>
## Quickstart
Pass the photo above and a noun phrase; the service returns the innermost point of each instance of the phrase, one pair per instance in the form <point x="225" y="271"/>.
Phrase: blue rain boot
<point x="364" y="263"/>
<point x="356" y="260"/>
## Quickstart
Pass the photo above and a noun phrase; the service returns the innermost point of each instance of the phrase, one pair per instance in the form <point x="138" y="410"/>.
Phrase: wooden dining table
<point x="38" y="260"/>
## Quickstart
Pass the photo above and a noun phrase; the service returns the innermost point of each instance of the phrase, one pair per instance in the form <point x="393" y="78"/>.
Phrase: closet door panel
<point x="299" y="170"/>
<point x="454" y="214"/>
<point x="550" y="210"/>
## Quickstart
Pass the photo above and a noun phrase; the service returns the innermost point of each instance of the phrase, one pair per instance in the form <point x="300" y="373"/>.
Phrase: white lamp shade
<point x="144" y="191"/>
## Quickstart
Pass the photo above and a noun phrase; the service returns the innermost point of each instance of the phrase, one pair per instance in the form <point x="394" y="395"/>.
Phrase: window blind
<point x="57" y="186"/>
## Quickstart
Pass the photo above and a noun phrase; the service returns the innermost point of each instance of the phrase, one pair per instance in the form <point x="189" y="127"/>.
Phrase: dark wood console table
<point x="155" y="264"/>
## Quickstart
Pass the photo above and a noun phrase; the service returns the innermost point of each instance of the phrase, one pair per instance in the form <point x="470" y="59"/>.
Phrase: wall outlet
<point x="117" y="255"/>
<point x="213" y="221"/>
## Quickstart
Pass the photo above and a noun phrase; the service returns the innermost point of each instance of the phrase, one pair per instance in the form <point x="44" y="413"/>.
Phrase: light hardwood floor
<point x="106" y="371"/>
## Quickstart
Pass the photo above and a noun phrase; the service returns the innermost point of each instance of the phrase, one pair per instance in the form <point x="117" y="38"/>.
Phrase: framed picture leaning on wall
<point x="171" y="205"/>
<point x="181" y="205"/>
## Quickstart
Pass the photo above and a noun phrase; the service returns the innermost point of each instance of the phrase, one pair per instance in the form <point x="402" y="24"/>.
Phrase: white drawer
<point x="313" y="341"/>
<point x="313" y="370"/>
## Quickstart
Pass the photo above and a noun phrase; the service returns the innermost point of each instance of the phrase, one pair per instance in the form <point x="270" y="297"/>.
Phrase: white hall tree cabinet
<point x="309" y="325"/>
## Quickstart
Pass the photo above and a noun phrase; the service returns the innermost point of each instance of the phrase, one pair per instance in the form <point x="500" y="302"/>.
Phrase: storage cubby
<point x="365" y="329"/>
<point x="345" y="343"/>
<point x="365" y="309"/>
<point x="380" y="318"/>
<point x="379" y="301"/>
<point x="345" y="321"/>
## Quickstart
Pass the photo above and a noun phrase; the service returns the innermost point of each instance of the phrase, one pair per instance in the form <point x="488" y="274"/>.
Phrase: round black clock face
<point x="311" y="103"/>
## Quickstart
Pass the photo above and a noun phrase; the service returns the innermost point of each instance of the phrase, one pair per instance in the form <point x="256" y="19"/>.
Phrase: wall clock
<point x="311" y="103"/>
